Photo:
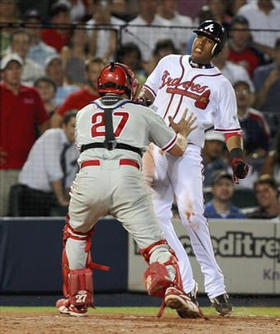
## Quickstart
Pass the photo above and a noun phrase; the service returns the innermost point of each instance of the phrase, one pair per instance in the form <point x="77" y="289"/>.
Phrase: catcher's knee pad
<point x="80" y="284"/>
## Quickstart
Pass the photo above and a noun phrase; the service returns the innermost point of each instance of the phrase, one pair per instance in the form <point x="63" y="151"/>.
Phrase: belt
<point x="128" y="162"/>
<point x="110" y="147"/>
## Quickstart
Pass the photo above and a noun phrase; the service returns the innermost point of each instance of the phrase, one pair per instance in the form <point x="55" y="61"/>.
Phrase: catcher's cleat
<point x="192" y="296"/>
<point x="222" y="304"/>
<point x="182" y="303"/>
<point x="65" y="307"/>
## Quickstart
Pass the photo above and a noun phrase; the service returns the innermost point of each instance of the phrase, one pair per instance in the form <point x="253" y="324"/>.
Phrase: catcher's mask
<point x="119" y="79"/>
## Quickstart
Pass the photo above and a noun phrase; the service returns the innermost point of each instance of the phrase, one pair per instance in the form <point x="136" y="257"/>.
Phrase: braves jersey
<point x="133" y="124"/>
<point x="177" y="86"/>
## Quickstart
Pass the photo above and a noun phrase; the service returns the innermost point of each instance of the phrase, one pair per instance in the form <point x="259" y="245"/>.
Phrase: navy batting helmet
<point x="214" y="31"/>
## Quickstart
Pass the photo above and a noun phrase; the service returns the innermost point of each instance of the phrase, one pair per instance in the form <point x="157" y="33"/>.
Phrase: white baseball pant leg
<point x="185" y="177"/>
<point x="162" y="200"/>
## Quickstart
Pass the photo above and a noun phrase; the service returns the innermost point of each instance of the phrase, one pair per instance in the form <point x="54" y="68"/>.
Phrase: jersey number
<point x="98" y="121"/>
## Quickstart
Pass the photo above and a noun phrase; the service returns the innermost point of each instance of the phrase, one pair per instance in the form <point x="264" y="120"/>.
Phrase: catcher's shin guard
<point x="160" y="275"/>
<point x="156" y="279"/>
<point x="164" y="280"/>
<point x="78" y="283"/>
<point x="81" y="287"/>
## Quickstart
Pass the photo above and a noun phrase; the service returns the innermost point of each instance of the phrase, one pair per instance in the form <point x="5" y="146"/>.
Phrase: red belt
<point x="128" y="162"/>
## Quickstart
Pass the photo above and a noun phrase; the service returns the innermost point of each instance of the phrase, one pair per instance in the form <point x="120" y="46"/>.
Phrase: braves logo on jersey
<point x="190" y="89"/>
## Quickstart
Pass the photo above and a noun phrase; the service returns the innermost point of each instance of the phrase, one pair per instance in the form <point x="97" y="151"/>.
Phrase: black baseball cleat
<point x="222" y="304"/>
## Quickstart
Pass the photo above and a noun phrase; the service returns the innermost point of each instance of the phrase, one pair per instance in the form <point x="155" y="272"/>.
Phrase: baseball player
<point x="112" y="132"/>
<point x="180" y="82"/>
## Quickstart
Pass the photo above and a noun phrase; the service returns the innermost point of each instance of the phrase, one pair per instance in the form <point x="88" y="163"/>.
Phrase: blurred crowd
<point x="52" y="52"/>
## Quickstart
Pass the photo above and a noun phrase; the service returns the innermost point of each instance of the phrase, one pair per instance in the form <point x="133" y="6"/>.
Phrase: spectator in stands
<point x="213" y="155"/>
<point x="8" y="14"/>
<point x="263" y="14"/>
<point x="78" y="9"/>
<point x="84" y="96"/>
<point x="241" y="51"/>
<point x="221" y="204"/>
<point x="163" y="48"/>
<point x="47" y="91"/>
<point x="130" y="55"/>
<point x="74" y="56"/>
<point x="38" y="50"/>
<point x="58" y="37"/>
<point x="267" y="83"/>
<point x="103" y="42"/>
<point x="124" y="9"/>
<point x="54" y="70"/>
<point x="20" y="44"/>
<point x="272" y="162"/>
<point x="21" y="107"/>
<point x="231" y="71"/>
<point x="266" y="192"/>
<point x="217" y="10"/>
<point x="147" y="36"/>
<point x="255" y="128"/>
<point x="167" y="9"/>
<point x="53" y="159"/>
<point x="235" y="5"/>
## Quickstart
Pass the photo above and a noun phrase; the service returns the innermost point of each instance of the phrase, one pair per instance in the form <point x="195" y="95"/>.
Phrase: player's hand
<point x="184" y="126"/>
<point x="240" y="169"/>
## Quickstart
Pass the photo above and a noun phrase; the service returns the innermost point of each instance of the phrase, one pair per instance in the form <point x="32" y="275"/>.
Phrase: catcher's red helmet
<point x="117" y="78"/>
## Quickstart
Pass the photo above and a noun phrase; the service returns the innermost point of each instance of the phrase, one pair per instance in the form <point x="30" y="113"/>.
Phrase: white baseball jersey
<point x="133" y="124"/>
<point x="176" y="86"/>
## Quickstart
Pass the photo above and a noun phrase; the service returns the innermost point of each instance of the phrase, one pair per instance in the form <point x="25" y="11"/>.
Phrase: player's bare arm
<point x="183" y="128"/>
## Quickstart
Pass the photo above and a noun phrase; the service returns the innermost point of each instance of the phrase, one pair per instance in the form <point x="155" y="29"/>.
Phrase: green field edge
<point x="238" y="311"/>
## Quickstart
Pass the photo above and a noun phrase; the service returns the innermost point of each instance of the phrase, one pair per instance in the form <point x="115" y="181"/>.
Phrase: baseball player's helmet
<point x="214" y="31"/>
<point x="117" y="78"/>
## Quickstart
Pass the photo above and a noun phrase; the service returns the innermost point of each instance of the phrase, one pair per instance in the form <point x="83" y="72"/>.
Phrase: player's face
<point x="12" y="73"/>
<point x="69" y="129"/>
<point x="223" y="190"/>
<point x="201" y="49"/>
<point x="265" y="195"/>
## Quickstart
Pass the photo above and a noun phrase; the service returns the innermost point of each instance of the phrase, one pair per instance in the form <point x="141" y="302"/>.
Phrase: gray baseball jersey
<point x="110" y="187"/>
<point x="133" y="124"/>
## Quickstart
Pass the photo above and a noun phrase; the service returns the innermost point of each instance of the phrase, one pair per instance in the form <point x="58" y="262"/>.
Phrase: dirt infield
<point x="52" y="322"/>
